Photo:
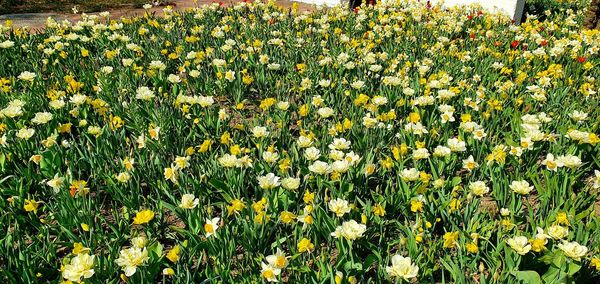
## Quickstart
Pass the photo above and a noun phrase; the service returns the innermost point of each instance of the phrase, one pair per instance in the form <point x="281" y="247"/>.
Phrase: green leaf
<point x="456" y="181"/>
<point x="553" y="275"/>
<point x="527" y="276"/>
<point x="572" y="268"/>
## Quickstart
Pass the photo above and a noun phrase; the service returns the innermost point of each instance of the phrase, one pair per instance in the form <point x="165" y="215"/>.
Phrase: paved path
<point x="37" y="21"/>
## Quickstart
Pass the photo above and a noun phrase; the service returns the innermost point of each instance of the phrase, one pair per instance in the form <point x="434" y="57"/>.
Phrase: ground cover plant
<point x="244" y="144"/>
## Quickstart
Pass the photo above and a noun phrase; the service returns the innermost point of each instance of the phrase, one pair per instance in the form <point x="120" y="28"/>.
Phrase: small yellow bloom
<point x="472" y="247"/>
<point x="305" y="245"/>
<point x="287" y="217"/>
<point x="450" y="239"/>
<point x="595" y="263"/>
<point x="173" y="254"/>
<point x="31" y="205"/>
<point x="378" y="210"/>
<point x="416" y="206"/>
<point x="143" y="217"/>
<point x="168" y="271"/>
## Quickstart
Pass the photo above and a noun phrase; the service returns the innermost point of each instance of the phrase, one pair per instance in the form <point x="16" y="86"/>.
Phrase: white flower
<point x="478" y="188"/>
<point x="290" y="183"/>
<point x="441" y="151"/>
<point x="211" y="226"/>
<point x="260" y="132"/>
<point x="80" y="267"/>
<point x="339" y="144"/>
<point x="552" y="164"/>
<point x="325" y="112"/>
<point x="456" y="145"/>
<point x="578" y="116"/>
<point x="56" y="182"/>
<point x="558" y="232"/>
<point x="283" y="105"/>
<point x="339" y="207"/>
<point x="27" y="76"/>
<point x="320" y="167"/>
<point x="420" y="154"/>
<point x="130" y="259"/>
<point x="7" y="44"/>
<point x="228" y="161"/>
<point x="106" y="69"/>
<point x="350" y="230"/>
<point x="520" y="244"/>
<point x="78" y="99"/>
<point x="570" y="161"/>
<point x="205" y="101"/>
<point x="312" y="153"/>
<point x="520" y="187"/>
<point x="411" y="174"/>
<point x="268" y="181"/>
<point x="157" y="65"/>
<point x="174" y="79"/>
<point x="340" y="166"/>
<point x="573" y="250"/>
<point x="41" y="118"/>
<point x="25" y="133"/>
<point x="144" y="93"/>
<point x="469" y="163"/>
<point x="277" y="260"/>
<point x="270" y="157"/>
<point x="596" y="179"/>
<point x="304" y="142"/>
<point x="402" y="267"/>
<point x="188" y="201"/>
<point x="230" y="75"/>
<point x="269" y="272"/>
<point x="357" y="84"/>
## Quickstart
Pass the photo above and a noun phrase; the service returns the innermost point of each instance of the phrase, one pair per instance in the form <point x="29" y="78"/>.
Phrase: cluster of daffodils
<point x="250" y="143"/>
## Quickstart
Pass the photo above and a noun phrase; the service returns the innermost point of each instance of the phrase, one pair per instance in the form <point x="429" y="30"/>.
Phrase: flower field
<point x="249" y="144"/>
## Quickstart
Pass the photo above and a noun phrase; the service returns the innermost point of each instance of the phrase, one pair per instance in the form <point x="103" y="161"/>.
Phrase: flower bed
<point x="250" y="143"/>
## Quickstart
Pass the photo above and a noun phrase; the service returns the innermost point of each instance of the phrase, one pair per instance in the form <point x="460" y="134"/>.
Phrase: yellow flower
<point x="261" y="218"/>
<point x="143" y="217"/>
<point x="305" y="245"/>
<point x="595" y="263"/>
<point x="235" y="207"/>
<point x="205" y="146"/>
<point x="173" y="254"/>
<point x="538" y="245"/>
<point x="31" y="205"/>
<point x="472" y="247"/>
<point x="85" y="227"/>
<point x="78" y="248"/>
<point x="378" y="210"/>
<point x="287" y="217"/>
<point x="450" y="239"/>
<point x="416" y="206"/>
<point x="170" y="173"/>
<point x="562" y="219"/>
<point x="168" y="271"/>
<point x="309" y="197"/>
